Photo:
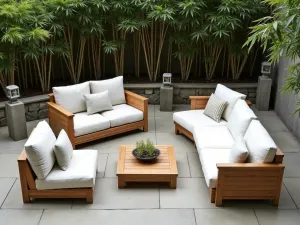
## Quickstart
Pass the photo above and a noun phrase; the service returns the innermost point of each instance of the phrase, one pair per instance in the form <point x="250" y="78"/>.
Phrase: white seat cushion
<point x="261" y="146"/>
<point x="39" y="149"/>
<point x="71" y="97"/>
<point x="123" y="114"/>
<point x="86" y="124"/>
<point x="194" y="118"/>
<point x="209" y="158"/>
<point x="230" y="96"/>
<point x="114" y="87"/>
<point x="81" y="172"/>
<point x="213" y="137"/>
<point x="240" y="119"/>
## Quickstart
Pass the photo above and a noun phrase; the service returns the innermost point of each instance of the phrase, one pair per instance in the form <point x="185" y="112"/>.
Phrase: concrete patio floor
<point x="187" y="205"/>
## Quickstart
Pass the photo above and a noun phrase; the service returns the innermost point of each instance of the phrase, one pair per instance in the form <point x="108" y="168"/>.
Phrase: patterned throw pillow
<point x="215" y="108"/>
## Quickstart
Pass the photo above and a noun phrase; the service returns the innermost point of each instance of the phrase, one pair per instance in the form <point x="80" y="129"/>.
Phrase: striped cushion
<point x="215" y="108"/>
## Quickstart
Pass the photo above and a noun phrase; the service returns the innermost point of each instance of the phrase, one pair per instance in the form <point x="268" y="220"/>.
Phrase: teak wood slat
<point x="60" y="118"/>
<point x="27" y="178"/>
<point x="131" y="170"/>
<point x="242" y="180"/>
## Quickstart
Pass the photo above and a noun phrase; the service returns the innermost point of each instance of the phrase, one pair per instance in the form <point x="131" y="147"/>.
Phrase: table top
<point x="165" y="164"/>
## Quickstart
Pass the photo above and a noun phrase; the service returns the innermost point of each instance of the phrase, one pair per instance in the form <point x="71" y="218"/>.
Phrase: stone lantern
<point x="266" y="69"/>
<point x="264" y="86"/>
<point x="13" y="93"/>
<point x="15" y="114"/>
<point x="167" y="79"/>
<point x="166" y="93"/>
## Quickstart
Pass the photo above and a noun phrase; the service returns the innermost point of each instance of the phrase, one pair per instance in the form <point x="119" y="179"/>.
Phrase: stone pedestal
<point x="15" y="113"/>
<point x="263" y="93"/>
<point x="166" y="98"/>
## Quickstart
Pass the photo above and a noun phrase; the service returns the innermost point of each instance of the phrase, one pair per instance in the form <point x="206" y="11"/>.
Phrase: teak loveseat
<point x="60" y="118"/>
<point x="232" y="180"/>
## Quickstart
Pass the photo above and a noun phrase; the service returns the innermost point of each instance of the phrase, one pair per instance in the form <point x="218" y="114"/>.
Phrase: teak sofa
<point x="60" y="118"/>
<point x="228" y="180"/>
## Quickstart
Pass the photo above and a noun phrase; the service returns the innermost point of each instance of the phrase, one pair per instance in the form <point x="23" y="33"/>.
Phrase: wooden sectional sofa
<point x="60" y="118"/>
<point x="241" y="180"/>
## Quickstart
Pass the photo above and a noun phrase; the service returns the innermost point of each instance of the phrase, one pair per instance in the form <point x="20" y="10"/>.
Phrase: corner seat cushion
<point x="209" y="159"/>
<point x="86" y="124"/>
<point x="123" y="114"/>
<point x="211" y="137"/>
<point x="81" y="172"/>
<point x="194" y="118"/>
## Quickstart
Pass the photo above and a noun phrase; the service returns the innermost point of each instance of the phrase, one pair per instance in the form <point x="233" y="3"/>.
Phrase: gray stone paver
<point x="188" y="204"/>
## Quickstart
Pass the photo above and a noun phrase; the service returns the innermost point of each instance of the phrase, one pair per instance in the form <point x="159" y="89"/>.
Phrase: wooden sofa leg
<point x="212" y="195"/>
<point x="176" y="130"/>
<point x="275" y="202"/>
<point x="219" y="200"/>
<point x="26" y="199"/>
<point x="90" y="197"/>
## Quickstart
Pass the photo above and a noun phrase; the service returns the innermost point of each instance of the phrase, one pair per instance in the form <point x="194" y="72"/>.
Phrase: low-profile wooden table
<point x="164" y="169"/>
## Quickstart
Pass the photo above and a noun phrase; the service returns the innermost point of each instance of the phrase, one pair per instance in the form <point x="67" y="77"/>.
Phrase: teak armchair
<point x="242" y="180"/>
<point x="29" y="190"/>
<point x="59" y="119"/>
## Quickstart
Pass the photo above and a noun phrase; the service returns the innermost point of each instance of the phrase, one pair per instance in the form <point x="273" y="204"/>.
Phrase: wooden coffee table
<point x="164" y="169"/>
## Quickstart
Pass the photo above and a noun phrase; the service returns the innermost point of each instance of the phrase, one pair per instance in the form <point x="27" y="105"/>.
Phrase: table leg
<point x="121" y="183"/>
<point x="173" y="182"/>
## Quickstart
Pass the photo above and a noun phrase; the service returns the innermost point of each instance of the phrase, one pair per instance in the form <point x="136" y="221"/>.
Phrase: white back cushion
<point x="239" y="151"/>
<point x="240" y="119"/>
<point x="98" y="102"/>
<point x="71" y="97"/>
<point x="230" y="96"/>
<point x="114" y="87"/>
<point x="261" y="146"/>
<point x="39" y="149"/>
<point x="63" y="150"/>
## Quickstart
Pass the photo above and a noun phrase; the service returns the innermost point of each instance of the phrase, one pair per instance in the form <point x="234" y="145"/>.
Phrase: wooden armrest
<point x="198" y="102"/>
<point x="134" y="95"/>
<point x="60" y="118"/>
<point x="22" y="156"/>
<point x="249" y="165"/>
<point x="136" y="101"/>
<point x="51" y="97"/>
<point x="199" y="97"/>
<point x="60" y="109"/>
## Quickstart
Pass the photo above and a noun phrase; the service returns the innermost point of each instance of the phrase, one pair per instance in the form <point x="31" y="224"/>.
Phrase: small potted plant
<point x="145" y="152"/>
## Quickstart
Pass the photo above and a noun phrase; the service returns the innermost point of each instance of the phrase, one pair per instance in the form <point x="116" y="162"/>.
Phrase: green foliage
<point x="37" y="36"/>
<point x="145" y="149"/>
<point x="279" y="35"/>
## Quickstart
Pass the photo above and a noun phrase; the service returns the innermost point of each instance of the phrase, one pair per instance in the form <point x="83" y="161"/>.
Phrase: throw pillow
<point x="71" y="97"/>
<point x="97" y="102"/>
<point x="230" y="96"/>
<point x="215" y="108"/>
<point x="240" y="119"/>
<point x="239" y="151"/>
<point x="63" y="150"/>
<point x="261" y="146"/>
<point x="115" y="89"/>
<point x="39" y="150"/>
